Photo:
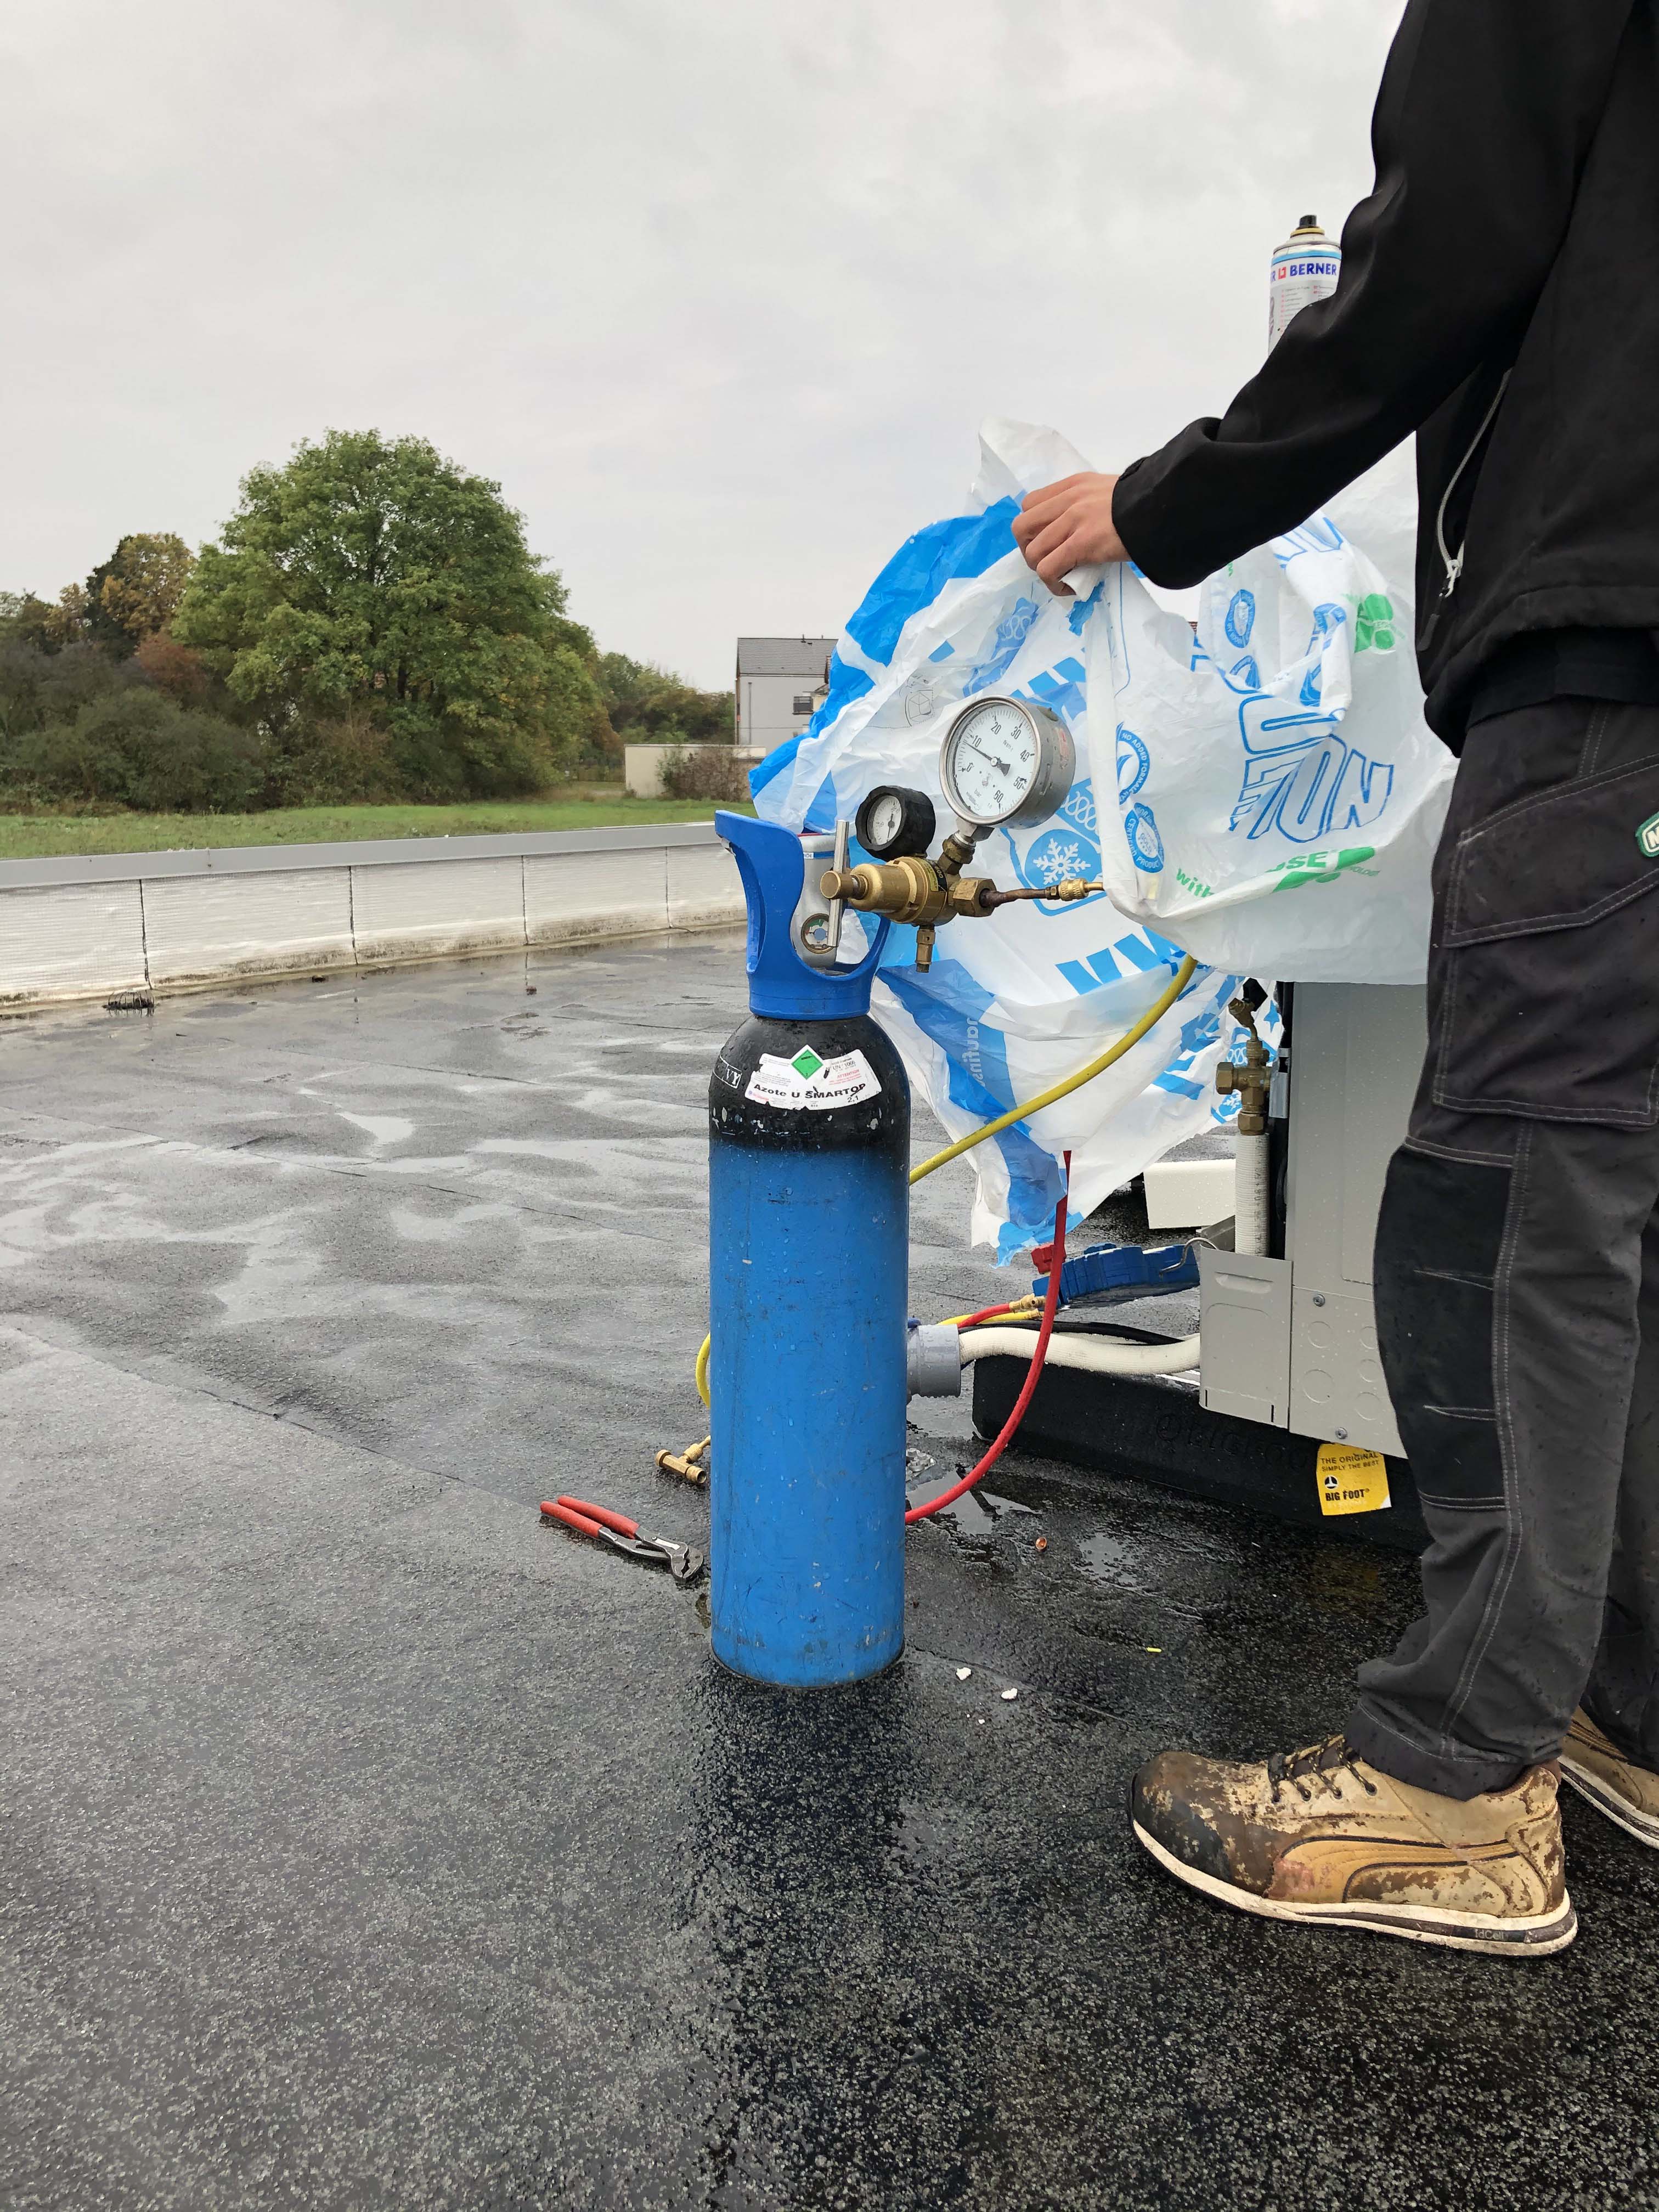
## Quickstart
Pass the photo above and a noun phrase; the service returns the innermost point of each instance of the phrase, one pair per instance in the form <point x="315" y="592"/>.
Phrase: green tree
<point x="136" y="593"/>
<point x="373" y="577"/>
<point x="44" y="625"/>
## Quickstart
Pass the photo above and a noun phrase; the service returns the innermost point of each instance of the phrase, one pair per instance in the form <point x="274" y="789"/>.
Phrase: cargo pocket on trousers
<point x="1439" y="1237"/>
<point x="1547" y="990"/>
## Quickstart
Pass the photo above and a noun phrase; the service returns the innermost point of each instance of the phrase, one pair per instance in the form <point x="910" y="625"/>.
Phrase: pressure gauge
<point x="1006" y="761"/>
<point x="894" y="820"/>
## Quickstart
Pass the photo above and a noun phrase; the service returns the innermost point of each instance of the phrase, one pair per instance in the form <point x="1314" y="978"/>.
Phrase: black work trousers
<point x="1518" y="1263"/>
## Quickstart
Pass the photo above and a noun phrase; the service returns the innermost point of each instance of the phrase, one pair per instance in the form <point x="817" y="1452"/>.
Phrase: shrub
<point x="338" y="761"/>
<point x="37" y="687"/>
<point x="140" y="749"/>
<point x="648" y="705"/>
<point x="704" y="772"/>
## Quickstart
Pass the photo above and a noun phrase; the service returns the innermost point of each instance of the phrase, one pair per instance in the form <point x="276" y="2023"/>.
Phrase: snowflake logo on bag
<point x="1056" y="853"/>
<point x="1059" y="859"/>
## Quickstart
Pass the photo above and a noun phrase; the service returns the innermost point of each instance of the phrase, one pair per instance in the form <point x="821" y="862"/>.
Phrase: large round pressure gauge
<point x="1006" y="761"/>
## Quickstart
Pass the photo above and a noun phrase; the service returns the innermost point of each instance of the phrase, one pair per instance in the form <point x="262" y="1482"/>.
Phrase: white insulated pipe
<point x="1252" y="1212"/>
<point x="1094" y="1355"/>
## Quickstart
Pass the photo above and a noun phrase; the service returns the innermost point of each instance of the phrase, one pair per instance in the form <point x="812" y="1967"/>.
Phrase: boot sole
<point x="1532" y="1938"/>
<point x="1618" y="1809"/>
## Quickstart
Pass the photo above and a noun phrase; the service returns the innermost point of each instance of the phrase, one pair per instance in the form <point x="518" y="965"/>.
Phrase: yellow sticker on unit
<point x="1351" y="1481"/>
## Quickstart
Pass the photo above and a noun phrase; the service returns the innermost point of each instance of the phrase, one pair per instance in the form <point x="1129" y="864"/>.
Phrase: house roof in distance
<point x="784" y="656"/>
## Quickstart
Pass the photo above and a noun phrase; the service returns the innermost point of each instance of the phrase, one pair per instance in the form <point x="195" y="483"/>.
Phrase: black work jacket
<point x="1500" y="296"/>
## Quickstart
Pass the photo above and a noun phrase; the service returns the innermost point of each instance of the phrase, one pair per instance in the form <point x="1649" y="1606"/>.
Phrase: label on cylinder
<point x="809" y="1081"/>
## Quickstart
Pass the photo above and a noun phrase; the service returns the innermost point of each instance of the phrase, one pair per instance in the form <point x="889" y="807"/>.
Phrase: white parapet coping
<point x="91" y="927"/>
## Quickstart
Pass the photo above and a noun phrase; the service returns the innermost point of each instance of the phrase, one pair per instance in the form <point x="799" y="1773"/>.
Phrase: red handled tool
<point x="681" y="1561"/>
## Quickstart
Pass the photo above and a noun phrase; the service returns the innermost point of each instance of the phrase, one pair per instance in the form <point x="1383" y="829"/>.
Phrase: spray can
<point x="809" y="1217"/>
<point x="1304" y="269"/>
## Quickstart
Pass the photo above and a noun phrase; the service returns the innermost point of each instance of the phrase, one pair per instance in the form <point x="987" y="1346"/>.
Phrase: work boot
<point x="1318" y="1835"/>
<point x="1615" y="1785"/>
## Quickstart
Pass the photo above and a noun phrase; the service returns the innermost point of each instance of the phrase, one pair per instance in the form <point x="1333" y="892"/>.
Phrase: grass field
<point x="34" y="836"/>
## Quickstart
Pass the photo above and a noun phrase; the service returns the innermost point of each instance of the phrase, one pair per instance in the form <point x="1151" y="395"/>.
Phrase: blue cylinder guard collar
<point x="781" y="986"/>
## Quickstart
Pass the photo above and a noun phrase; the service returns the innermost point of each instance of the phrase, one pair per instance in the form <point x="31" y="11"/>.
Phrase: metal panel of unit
<point x="1244" y="1329"/>
<point x="1356" y="1053"/>
<point x="1337" y="1390"/>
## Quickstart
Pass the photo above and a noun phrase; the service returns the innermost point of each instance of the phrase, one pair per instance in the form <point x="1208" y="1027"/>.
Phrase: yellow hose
<point x="1130" y="1038"/>
<point x="1183" y="975"/>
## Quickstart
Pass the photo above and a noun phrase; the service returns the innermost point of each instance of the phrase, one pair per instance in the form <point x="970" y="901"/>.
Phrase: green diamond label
<point x="1648" y="837"/>
<point x="812" y="1083"/>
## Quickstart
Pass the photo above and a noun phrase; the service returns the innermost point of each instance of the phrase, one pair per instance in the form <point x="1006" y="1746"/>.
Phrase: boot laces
<point x="1321" y="1760"/>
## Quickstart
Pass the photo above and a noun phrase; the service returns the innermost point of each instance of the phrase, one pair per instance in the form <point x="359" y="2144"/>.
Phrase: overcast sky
<point x="719" y="290"/>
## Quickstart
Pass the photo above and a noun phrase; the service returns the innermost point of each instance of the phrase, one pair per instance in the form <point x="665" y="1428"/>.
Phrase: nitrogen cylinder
<point x="809" y="1128"/>
<point x="1304" y="269"/>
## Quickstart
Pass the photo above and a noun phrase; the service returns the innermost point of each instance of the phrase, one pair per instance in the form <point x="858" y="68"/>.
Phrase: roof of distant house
<point x="784" y="656"/>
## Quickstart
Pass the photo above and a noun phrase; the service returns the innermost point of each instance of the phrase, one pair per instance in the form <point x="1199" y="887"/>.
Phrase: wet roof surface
<point x="364" y="1843"/>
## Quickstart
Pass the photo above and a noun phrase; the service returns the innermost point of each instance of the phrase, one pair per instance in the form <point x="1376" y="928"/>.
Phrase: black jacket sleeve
<point x="1486" y="114"/>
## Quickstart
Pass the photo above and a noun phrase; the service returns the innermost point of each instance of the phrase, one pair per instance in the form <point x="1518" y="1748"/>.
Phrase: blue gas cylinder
<point x="809" y="1202"/>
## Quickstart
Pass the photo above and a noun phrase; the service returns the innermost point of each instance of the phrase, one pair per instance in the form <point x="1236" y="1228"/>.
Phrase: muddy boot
<point x="1318" y="1835"/>
<point x="1615" y="1785"/>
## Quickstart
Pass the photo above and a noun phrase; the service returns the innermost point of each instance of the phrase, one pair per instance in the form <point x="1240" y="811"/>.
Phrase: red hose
<point x="1050" y="1306"/>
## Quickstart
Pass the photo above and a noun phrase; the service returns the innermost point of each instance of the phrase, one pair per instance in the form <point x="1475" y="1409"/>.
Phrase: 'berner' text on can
<point x="1304" y="269"/>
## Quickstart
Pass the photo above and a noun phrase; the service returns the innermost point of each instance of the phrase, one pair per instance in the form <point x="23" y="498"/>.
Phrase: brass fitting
<point x="1251" y="1082"/>
<point x="913" y="889"/>
<point x="685" y="1463"/>
<point x="910" y="890"/>
<point x="1066" y="892"/>
<point x="928" y="893"/>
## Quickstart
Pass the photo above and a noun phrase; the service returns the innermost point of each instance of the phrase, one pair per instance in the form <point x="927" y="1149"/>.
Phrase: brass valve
<point x="913" y="891"/>
<point x="1251" y="1082"/>
<point x="686" y="1464"/>
<point x="927" y="893"/>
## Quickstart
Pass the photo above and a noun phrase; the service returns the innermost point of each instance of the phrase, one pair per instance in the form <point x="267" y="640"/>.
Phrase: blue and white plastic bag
<point x="1280" y="749"/>
<point x="1012" y="1004"/>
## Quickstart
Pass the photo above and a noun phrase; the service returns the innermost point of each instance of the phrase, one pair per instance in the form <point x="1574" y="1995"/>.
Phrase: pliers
<point x="681" y="1561"/>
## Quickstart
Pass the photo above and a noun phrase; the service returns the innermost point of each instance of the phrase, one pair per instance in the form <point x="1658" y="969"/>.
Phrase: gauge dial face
<point x="993" y="762"/>
<point x="886" y="817"/>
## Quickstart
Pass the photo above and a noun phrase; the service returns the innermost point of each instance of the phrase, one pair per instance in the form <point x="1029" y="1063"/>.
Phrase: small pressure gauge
<point x="1006" y="761"/>
<point x="894" y="820"/>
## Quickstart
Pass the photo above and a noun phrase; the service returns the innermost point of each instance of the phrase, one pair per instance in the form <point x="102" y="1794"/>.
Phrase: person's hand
<point x="1068" y="525"/>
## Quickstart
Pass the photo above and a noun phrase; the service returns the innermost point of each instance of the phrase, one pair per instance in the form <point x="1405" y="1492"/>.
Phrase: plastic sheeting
<point x="1279" y="746"/>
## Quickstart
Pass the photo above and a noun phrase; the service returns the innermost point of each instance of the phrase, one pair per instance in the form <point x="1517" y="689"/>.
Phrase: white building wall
<point x="767" y="712"/>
